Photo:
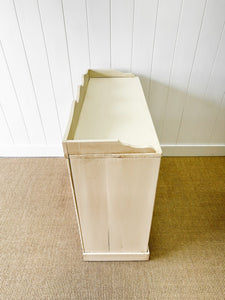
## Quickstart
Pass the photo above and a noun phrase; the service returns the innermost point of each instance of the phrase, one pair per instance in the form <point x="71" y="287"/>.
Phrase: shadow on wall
<point x="184" y="118"/>
<point x="189" y="209"/>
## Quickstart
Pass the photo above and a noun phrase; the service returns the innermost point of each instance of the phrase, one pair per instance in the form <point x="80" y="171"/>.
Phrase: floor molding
<point x="56" y="150"/>
<point x="193" y="150"/>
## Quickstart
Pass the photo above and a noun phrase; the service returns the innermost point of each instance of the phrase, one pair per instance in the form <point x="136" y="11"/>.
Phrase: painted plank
<point x="130" y="207"/>
<point x="30" y="24"/>
<point x="194" y="127"/>
<point x="187" y="39"/>
<point x="98" y="13"/>
<point x="165" y="43"/>
<point x="77" y="36"/>
<point x="113" y="217"/>
<point x="122" y="18"/>
<point x="145" y="15"/>
<point x="52" y="17"/>
<point x="218" y="128"/>
<point x="75" y="201"/>
<point x="213" y="128"/>
<point x="5" y="132"/>
<point x="10" y="104"/>
<point x="91" y="202"/>
<point x="21" y="79"/>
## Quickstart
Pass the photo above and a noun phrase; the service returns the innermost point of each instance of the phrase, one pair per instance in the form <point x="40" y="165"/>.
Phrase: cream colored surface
<point x="91" y="202"/>
<point x="113" y="157"/>
<point x="116" y="109"/>
<point x="97" y="147"/>
<point x="116" y="256"/>
<point x="115" y="198"/>
<point x="75" y="203"/>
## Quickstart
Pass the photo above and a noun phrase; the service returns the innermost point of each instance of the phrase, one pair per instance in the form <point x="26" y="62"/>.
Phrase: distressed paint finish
<point x="113" y="182"/>
<point x="115" y="198"/>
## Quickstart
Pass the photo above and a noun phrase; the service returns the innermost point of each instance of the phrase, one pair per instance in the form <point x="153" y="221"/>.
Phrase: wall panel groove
<point x="189" y="77"/>
<point x="67" y="50"/>
<point x="152" y="54"/>
<point x="99" y="33"/>
<point x="49" y="68"/>
<point x="59" y="65"/>
<point x="132" y="39"/>
<point x="187" y="39"/>
<point x="122" y="20"/>
<point x="165" y="38"/>
<point x="214" y="60"/>
<point x="197" y="107"/>
<point x="218" y="132"/>
<point x="143" y="39"/>
<point x="32" y="38"/>
<point x="77" y="35"/>
<point x="110" y="32"/>
<point x="176" y="47"/>
<point x="15" y="92"/>
<point x="19" y="69"/>
<point x="9" y="102"/>
<point x="170" y="74"/>
<point x="5" y="132"/>
<point x="31" y="79"/>
<point x="88" y="34"/>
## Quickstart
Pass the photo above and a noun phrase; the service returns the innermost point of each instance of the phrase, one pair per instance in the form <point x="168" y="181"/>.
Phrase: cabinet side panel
<point x="131" y="194"/>
<point x="75" y="202"/>
<point x="89" y="177"/>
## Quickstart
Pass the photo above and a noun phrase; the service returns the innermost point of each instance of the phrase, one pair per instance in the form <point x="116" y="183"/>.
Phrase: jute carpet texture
<point x="40" y="255"/>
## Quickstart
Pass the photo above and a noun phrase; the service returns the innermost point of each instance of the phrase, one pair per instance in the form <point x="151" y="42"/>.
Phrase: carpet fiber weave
<point x="40" y="255"/>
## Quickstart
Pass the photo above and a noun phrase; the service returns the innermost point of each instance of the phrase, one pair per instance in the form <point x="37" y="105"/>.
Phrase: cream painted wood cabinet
<point x="113" y="157"/>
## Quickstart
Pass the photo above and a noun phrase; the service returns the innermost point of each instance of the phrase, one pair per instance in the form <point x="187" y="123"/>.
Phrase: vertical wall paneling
<point x="165" y="43"/>
<point x="10" y="105"/>
<point x="187" y="40"/>
<point x="218" y="128"/>
<point x="215" y="94"/>
<point x="176" y="47"/>
<point x="99" y="33"/>
<point x="30" y="24"/>
<point x="145" y="15"/>
<point x="56" y="49"/>
<point x="18" y="67"/>
<point x="77" y="35"/>
<point x="5" y="132"/>
<point x="122" y="21"/>
<point x="194" y="125"/>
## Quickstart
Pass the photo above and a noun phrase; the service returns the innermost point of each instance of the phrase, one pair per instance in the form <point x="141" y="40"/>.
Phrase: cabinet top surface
<point x="116" y="109"/>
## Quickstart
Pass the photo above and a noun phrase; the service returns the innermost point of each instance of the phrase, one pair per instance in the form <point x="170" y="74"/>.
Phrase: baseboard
<point x="193" y="150"/>
<point x="57" y="151"/>
<point x="31" y="151"/>
<point x="116" y="256"/>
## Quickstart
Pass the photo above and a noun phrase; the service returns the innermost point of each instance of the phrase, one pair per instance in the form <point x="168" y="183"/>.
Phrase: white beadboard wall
<point x="177" y="47"/>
